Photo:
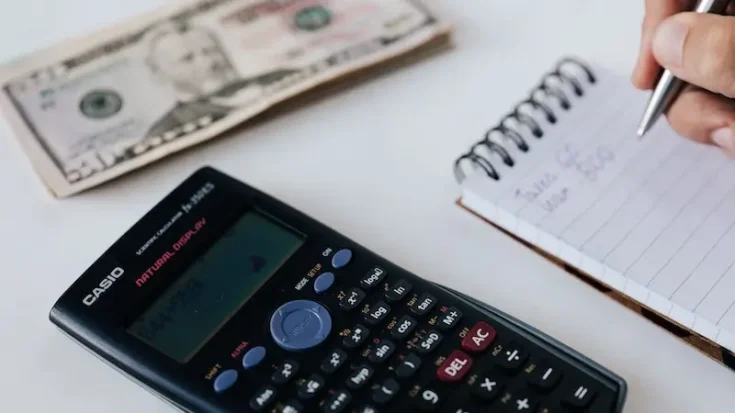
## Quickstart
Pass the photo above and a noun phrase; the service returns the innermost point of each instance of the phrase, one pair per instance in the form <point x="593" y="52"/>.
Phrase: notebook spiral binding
<point x="551" y="86"/>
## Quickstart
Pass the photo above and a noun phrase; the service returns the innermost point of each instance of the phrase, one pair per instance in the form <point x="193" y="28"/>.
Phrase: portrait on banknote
<point x="106" y="104"/>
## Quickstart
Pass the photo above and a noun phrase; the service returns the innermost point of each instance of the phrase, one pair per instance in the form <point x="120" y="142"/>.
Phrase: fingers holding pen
<point x="699" y="49"/>
<point x="704" y="117"/>
<point x="647" y="68"/>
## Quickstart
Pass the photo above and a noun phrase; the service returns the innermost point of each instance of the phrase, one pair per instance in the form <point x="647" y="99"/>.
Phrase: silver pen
<point x="669" y="86"/>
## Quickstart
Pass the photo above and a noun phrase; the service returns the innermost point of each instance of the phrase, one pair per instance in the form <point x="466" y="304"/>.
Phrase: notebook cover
<point x="701" y="343"/>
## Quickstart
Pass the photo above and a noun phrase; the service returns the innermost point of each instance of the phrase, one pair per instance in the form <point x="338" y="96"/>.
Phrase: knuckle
<point x="716" y="57"/>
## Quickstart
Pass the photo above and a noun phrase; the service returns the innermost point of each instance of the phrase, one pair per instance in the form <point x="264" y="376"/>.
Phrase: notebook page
<point x="652" y="218"/>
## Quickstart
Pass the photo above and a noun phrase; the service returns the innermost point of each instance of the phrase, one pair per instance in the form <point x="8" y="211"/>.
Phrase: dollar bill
<point x="93" y="109"/>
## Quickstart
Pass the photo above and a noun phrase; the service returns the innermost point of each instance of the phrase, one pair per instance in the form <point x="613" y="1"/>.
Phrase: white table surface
<point x="386" y="148"/>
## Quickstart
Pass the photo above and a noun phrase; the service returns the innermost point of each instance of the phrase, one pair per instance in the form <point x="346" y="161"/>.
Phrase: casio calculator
<point x="224" y="299"/>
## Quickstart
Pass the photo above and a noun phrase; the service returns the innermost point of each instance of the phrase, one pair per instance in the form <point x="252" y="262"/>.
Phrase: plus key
<point x="479" y="338"/>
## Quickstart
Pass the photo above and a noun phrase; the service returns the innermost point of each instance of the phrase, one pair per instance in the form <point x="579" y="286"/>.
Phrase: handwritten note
<point x="657" y="214"/>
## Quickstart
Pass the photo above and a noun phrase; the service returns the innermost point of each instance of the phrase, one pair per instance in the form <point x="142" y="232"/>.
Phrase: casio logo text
<point x="103" y="286"/>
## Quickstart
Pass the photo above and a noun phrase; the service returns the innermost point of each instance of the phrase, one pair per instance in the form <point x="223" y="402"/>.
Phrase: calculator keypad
<point x="400" y="345"/>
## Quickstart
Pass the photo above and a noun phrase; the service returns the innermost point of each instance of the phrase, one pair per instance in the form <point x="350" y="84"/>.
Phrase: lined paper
<point x="654" y="218"/>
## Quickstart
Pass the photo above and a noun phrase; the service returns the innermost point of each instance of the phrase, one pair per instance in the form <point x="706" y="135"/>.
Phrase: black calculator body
<point x="223" y="299"/>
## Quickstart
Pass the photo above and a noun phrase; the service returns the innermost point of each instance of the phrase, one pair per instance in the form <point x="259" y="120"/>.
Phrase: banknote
<point x="95" y="108"/>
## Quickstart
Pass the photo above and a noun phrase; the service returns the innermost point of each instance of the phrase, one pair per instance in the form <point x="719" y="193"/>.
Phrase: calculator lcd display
<point x="214" y="287"/>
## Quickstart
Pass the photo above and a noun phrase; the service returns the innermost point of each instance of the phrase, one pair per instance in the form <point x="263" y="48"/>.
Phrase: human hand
<point x="700" y="50"/>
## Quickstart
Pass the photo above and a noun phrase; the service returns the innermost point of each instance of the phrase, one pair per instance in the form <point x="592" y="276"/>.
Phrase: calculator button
<point x="430" y="399"/>
<point x="488" y="386"/>
<point x="263" y="398"/>
<point x="253" y="357"/>
<point x="382" y="352"/>
<point x="352" y="299"/>
<point x="323" y="282"/>
<point x="373" y="277"/>
<point x="285" y="371"/>
<point x="225" y="380"/>
<point x="455" y="367"/>
<point x="408" y="366"/>
<point x="311" y="387"/>
<point x="333" y="362"/>
<point x="359" y="377"/>
<point x="403" y="327"/>
<point x="429" y="342"/>
<point x="479" y="338"/>
<point x="398" y="291"/>
<point x="341" y="258"/>
<point x="338" y="402"/>
<point x="358" y="336"/>
<point x="579" y="396"/>
<point x="377" y="313"/>
<point x="513" y="356"/>
<point x="424" y="304"/>
<point x="292" y="406"/>
<point x="523" y="402"/>
<point x="367" y="409"/>
<point x="449" y="319"/>
<point x="549" y="409"/>
<point x="466" y="409"/>
<point x="300" y="324"/>
<point x="386" y="391"/>
<point x="545" y="377"/>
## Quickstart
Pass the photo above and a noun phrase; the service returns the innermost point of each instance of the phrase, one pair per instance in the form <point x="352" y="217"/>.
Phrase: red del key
<point x="454" y="367"/>
<point x="479" y="338"/>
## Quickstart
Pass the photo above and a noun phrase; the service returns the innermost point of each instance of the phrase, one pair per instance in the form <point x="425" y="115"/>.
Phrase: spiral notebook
<point x="649" y="221"/>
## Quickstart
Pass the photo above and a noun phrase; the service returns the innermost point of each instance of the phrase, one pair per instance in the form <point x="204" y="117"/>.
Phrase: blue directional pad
<point x="300" y="325"/>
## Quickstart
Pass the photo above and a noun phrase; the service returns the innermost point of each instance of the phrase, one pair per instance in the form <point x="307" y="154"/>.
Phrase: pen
<point x="669" y="86"/>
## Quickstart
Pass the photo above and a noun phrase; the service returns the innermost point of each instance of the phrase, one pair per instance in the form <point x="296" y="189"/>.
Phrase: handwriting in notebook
<point x="590" y="164"/>
<point x="537" y="187"/>
<point x="654" y="219"/>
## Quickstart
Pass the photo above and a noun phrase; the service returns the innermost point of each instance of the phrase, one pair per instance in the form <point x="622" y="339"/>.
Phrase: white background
<point x="385" y="148"/>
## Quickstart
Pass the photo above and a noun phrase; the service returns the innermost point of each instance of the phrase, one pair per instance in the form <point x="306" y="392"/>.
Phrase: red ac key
<point x="479" y="338"/>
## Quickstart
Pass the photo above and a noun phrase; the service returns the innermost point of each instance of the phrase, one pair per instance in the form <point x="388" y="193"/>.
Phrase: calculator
<point x="222" y="298"/>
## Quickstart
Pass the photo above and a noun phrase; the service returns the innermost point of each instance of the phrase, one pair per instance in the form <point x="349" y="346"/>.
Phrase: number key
<point x="430" y="399"/>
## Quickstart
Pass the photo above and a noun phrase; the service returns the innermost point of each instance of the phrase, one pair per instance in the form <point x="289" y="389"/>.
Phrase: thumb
<point x="699" y="49"/>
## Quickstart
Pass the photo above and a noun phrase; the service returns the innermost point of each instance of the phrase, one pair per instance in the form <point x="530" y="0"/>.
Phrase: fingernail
<point x="725" y="139"/>
<point x="668" y="43"/>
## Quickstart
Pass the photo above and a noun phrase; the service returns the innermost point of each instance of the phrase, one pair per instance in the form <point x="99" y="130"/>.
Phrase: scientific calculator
<point x="224" y="299"/>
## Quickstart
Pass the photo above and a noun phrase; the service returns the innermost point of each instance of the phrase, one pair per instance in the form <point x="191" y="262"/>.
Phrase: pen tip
<point x="642" y="130"/>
